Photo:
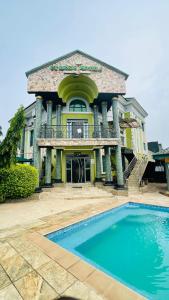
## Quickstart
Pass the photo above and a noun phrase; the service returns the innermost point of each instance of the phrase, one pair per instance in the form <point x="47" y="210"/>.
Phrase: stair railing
<point x="130" y="167"/>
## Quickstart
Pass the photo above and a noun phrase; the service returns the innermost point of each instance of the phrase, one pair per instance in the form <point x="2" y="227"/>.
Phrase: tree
<point x="8" y="147"/>
<point x="1" y="131"/>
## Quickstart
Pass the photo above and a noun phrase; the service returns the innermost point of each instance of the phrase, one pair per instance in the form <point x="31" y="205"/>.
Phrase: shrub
<point x="4" y="173"/>
<point x="19" y="181"/>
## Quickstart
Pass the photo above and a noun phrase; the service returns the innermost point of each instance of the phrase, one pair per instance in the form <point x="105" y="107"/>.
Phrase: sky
<point x="132" y="35"/>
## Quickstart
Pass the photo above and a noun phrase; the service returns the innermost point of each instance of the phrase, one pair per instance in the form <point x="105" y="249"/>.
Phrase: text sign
<point x="75" y="68"/>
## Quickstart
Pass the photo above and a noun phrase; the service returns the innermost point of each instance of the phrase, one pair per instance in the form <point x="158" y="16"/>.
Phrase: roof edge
<point x="70" y="54"/>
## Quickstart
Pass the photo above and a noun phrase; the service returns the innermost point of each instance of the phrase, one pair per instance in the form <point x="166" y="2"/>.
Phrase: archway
<point x="77" y="86"/>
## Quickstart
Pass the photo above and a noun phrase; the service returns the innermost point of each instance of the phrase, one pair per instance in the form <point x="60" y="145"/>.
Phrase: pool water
<point x="130" y="243"/>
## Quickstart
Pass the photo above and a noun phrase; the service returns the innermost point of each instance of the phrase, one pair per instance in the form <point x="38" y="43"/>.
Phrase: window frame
<point x="82" y="106"/>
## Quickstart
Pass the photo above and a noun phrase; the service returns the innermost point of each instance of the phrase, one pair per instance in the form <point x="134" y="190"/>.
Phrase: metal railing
<point x="130" y="167"/>
<point x="82" y="131"/>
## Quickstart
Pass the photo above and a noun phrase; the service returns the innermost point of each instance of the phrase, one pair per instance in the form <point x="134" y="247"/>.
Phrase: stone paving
<point x="32" y="267"/>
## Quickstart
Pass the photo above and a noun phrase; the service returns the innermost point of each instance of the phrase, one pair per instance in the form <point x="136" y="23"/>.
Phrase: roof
<point x="163" y="152"/>
<point x="136" y="104"/>
<point x="73" y="53"/>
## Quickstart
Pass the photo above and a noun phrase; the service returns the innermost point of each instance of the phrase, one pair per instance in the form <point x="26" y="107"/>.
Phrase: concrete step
<point x="73" y="197"/>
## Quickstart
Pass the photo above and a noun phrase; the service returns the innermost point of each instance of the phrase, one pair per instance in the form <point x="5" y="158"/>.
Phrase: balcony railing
<point x="83" y="131"/>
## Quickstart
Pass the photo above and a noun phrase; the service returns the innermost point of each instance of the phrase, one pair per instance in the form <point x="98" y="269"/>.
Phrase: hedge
<point x="19" y="181"/>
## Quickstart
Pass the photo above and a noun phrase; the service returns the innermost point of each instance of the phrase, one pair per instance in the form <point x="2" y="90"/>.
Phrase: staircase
<point x="79" y="192"/>
<point x="134" y="173"/>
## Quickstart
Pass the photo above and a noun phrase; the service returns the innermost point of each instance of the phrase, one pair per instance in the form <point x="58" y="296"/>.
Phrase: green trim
<point x="71" y="54"/>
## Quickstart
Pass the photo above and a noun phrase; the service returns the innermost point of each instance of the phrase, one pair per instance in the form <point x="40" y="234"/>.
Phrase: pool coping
<point x="104" y="285"/>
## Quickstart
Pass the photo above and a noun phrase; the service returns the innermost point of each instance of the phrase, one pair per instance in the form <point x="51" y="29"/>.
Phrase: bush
<point x="4" y="173"/>
<point x="19" y="181"/>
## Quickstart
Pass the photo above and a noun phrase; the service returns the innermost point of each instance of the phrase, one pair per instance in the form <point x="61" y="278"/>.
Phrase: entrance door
<point x="78" y="169"/>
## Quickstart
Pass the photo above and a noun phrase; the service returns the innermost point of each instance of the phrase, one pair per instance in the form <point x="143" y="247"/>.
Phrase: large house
<point x="81" y="127"/>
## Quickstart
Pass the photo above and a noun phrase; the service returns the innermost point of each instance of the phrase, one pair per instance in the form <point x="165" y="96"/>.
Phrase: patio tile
<point x="67" y="260"/>
<point x="81" y="270"/>
<point x="99" y="281"/>
<point x="6" y="251"/>
<point x="4" y="279"/>
<point x="21" y="244"/>
<point x="16" y="267"/>
<point x="118" y="291"/>
<point x="56" y="276"/>
<point x="81" y="291"/>
<point x="34" y="287"/>
<point x="34" y="224"/>
<point x="35" y="257"/>
<point x="9" y="293"/>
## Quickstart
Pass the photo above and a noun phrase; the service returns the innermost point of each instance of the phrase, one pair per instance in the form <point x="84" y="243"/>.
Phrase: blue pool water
<point x="130" y="243"/>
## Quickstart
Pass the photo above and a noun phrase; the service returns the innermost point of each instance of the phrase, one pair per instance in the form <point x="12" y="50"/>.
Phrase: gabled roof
<point x="136" y="104"/>
<point x="71" y="54"/>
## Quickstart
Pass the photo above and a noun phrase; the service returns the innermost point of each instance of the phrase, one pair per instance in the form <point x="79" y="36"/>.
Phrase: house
<point x="81" y="127"/>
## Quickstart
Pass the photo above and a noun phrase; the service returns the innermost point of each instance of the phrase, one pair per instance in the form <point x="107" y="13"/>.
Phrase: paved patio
<point x="32" y="267"/>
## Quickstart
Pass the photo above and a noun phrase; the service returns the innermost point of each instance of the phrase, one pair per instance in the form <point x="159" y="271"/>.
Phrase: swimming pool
<point x="129" y="243"/>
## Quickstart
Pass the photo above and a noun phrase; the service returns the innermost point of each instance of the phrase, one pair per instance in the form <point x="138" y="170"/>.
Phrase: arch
<point x="77" y="105"/>
<point x="77" y="86"/>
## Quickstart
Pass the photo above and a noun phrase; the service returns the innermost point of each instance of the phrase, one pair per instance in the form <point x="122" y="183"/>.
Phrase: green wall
<point x="82" y="116"/>
<point x="128" y="132"/>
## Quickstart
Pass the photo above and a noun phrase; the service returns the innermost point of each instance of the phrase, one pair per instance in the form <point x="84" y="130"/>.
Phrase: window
<point x="31" y="138"/>
<point x="77" y="106"/>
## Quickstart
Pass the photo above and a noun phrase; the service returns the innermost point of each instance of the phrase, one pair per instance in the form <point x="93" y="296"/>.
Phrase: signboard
<point x="75" y="68"/>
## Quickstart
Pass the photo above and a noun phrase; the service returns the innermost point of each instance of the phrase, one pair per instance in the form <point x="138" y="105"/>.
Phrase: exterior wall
<point x="107" y="81"/>
<point x="128" y="132"/>
<point x="84" y="116"/>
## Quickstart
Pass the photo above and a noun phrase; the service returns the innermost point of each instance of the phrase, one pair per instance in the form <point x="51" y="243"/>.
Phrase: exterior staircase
<point x="134" y="173"/>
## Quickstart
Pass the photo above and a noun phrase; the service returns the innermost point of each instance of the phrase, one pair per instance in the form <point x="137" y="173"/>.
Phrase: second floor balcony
<point x="76" y="135"/>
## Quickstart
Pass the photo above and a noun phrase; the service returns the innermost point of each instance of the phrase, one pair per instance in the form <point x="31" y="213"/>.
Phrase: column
<point x="48" y="162"/>
<point x="98" y="165"/>
<point x="167" y="174"/>
<point x="58" y="151"/>
<point x="37" y="128"/>
<point x="116" y="127"/>
<point x="22" y="143"/>
<point x="96" y="121"/>
<point x="58" y="166"/>
<point x="104" y="119"/>
<point x="58" y="121"/>
<point x="108" y="166"/>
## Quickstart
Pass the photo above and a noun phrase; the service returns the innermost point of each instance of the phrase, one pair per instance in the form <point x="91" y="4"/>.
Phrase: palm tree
<point x="1" y="131"/>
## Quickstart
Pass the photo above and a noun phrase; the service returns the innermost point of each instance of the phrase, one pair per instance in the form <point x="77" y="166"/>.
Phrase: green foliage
<point x="8" y="147"/>
<point x="1" y="131"/>
<point x="18" y="181"/>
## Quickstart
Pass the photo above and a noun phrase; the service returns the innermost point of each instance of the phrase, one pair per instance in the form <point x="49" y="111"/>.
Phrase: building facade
<point x="81" y="128"/>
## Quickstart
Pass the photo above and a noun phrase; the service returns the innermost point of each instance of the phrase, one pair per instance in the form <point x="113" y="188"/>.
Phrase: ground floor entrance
<point x="78" y="168"/>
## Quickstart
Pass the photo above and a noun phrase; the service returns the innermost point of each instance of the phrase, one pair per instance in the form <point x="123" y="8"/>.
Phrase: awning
<point x="23" y="159"/>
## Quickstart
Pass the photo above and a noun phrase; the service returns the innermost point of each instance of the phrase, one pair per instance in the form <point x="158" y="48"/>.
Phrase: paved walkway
<point x="34" y="268"/>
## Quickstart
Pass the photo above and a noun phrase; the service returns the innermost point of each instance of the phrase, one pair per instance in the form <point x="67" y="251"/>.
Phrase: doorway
<point x="78" y="169"/>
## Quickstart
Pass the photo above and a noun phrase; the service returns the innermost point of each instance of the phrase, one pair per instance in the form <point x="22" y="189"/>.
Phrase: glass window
<point x="77" y="106"/>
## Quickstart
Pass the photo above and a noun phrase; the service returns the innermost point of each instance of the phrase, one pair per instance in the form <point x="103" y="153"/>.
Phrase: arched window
<point x="77" y="105"/>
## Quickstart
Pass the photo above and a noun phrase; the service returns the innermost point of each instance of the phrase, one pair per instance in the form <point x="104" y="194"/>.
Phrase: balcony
<point x="76" y="135"/>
